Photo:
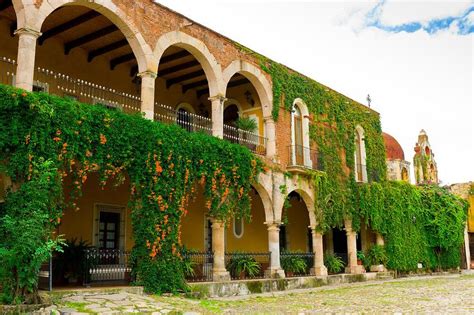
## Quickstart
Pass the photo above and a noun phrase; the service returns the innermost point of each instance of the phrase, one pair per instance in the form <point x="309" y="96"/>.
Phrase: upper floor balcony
<point x="49" y="81"/>
<point x="304" y="158"/>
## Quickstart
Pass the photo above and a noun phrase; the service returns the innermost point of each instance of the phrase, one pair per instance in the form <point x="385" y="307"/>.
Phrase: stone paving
<point x="447" y="294"/>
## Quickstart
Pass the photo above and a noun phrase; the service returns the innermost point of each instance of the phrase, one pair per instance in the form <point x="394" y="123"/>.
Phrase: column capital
<point x="269" y="119"/>
<point x="272" y="225"/>
<point x="148" y="74"/>
<point x="219" y="97"/>
<point x="28" y="31"/>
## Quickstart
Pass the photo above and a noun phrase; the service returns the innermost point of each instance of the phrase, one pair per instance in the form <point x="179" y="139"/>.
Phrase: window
<point x="238" y="227"/>
<point x="300" y="144"/>
<point x="109" y="230"/>
<point x="298" y="129"/>
<point x="359" y="156"/>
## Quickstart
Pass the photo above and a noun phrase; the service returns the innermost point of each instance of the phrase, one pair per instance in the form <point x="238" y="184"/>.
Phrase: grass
<point x="78" y="306"/>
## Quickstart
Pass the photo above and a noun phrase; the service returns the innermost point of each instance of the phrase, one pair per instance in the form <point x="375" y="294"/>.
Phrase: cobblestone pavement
<point x="447" y="294"/>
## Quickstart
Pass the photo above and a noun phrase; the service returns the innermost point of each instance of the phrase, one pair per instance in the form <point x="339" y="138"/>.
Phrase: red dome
<point x="393" y="148"/>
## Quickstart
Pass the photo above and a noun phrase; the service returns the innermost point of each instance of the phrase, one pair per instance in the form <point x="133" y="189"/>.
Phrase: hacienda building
<point x="139" y="56"/>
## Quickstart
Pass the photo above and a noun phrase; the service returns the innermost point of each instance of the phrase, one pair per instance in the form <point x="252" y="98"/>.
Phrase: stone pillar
<point x="318" y="269"/>
<point x="379" y="239"/>
<point x="148" y="94"/>
<point x="219" y="272"/>
<point x="467" y="249"/>
<point x="352" y="266"/>
<point x="26" y="58"/>
<point x="271" y="137"/>
<point x="274" y="270"/>
<point x="218" y="115"/>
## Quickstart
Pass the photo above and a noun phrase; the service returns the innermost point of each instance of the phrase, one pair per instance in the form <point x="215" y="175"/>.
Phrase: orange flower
<point x="158" y="167"/>
<point x="103" y="139"/>
<point x="88" y="153"/>
<point x="57" y="139"/>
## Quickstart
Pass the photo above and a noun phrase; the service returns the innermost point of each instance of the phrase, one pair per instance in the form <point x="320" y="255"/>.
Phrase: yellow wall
<point x="470" y="219"/>
<point x="192" y="227"/>
<point x="79" y="223"/>
<point x="255" y="236"/>
<point x="297" y="227"/>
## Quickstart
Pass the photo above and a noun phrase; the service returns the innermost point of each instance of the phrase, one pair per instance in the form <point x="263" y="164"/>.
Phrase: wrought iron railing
<point x="305" y="157"/>
<point x="198" y="266"/>
<point x="104" y="265"/>
<point x="254" y="142"/>
<point x="258" y="262"/>
<point x="188" y="121"/>
<point x="290" y="262"/>
<point x="7" y="71"/>
<point x="64" y="85"/>
<point x="84" y="91"/>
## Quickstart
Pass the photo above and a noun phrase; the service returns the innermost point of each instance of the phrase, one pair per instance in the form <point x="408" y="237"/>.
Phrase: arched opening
<point x="405" y="174"/>
<point x="181" y="79"/>
<point x="335" y="243"/>
<point x="9" y="46"/>
<point x="248" y="240"/>
<point x="296" y="241"/>
<point x="243" y="115"/>
<point x="84" y="56"/>
<point x="298" y="135"/>
<point x="427" y="151"/>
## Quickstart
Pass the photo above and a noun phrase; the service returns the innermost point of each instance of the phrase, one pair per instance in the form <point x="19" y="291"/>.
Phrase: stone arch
<point x="187" y="107"/>
<point x="266" y="201"/>
<point x="141" y="50"/>
<point x="21" y="13"/>
<point x="309" y="202"/>
<point x="199" y="50"/>
<point x="258" y="80"/>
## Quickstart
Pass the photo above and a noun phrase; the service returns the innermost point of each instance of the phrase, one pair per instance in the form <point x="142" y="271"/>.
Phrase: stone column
<point x="218" y="115"/>
<point x="352" y="266"/>
<point x="274" y="270"/>
<point x="379" y="239"/>
<point x="271" y="137"/>
<point x="26" y="57"/>
<point x="318" y="269"/>
<point x="148" y="94"/>
<point x="467" y="249"/>
<point x="219" y="272"/>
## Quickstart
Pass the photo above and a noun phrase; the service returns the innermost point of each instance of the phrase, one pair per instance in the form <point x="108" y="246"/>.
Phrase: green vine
<point x="163" y="164"/>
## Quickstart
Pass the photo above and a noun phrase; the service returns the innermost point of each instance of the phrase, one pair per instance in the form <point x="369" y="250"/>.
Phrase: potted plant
<point x="377" y="258"/>
<point x="360" y="258"/>
<point x="333" y="263"/>
<point x="242" y="265"/>
<point x="293" y="264"/>
<point x="71" y="264"/>
<point x="248" y="125"/>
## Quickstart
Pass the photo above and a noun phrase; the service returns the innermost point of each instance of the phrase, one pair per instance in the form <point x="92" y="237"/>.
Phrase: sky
<point x="414" y="58"/>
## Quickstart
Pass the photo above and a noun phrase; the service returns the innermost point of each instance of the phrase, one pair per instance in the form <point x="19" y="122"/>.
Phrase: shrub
<point x="293" y="264"/>
<point x="242" y="263"/>
<point x="377" y="255"/>
<point x="333" y="263"/>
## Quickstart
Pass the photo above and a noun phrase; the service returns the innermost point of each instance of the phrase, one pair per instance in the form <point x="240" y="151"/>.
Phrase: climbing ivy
<point x="420" y="224"/>
<point x="48" y="139"/>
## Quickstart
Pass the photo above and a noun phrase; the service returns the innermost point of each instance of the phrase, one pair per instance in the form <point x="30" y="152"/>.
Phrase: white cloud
<point x="401" y="12"/>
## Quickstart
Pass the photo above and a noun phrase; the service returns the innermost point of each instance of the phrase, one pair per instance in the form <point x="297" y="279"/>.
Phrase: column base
<point x="148" y="114"/>
<point x="356" y="270"/>
<point x="378" y="268"/>
<point x="220" y="275"/>
<point x="275" y="273"/>
<point x="319" y="271"/>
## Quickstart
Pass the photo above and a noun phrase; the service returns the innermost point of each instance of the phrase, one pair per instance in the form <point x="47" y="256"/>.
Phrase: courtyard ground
<point x="446" y="294"/>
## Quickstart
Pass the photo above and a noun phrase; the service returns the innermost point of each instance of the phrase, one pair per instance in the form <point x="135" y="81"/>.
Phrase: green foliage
<point x="246" y="124"/>
<point x="420" y="223"/>
<point x="163" y="164"/>
<point x="293" y="263"/>
<point x="242" y="263"/>
<point x="26" y="241"/>
<point x="377" y="255"/>
<point x="333" y="263"/>
<point x="360" y="255"/>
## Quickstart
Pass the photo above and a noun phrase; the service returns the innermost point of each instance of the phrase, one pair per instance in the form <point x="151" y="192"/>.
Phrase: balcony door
<point x="298" y="143"/>
<point x="109" y="230"/>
